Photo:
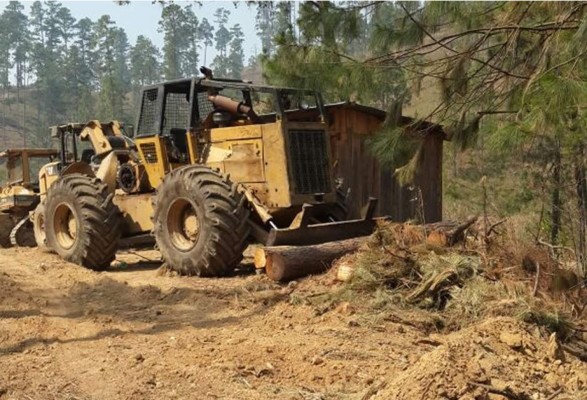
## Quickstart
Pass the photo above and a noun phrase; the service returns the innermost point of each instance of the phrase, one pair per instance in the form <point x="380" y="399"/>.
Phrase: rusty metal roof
<point x="30" y="152"/>
<point x="415" y="127"/>
<point x="376" y="112"/>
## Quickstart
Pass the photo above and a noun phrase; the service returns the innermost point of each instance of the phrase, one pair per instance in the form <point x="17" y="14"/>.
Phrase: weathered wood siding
<point x="363" y="174"/>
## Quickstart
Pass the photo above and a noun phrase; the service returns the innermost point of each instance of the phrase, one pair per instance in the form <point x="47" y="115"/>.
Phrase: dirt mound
<point x="499" y="358"/>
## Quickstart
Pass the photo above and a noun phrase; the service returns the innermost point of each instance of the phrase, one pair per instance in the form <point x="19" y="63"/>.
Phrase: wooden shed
<point x="351" y="125"/>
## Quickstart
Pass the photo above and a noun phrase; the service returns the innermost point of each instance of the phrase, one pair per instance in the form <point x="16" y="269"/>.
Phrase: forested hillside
<point x="54" y="68"/>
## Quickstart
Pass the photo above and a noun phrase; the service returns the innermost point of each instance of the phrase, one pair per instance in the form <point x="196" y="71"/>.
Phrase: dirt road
<point x="131" y="334"/>
<point x="134" y="333"/>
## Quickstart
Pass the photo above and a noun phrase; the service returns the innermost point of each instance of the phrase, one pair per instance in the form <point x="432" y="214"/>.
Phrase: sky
<point x="141" y="18"/>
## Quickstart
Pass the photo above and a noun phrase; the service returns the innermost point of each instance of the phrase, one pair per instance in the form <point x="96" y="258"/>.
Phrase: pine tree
<point x="205" y="33"/>
<point x="236" y="57"/>
<point x="191" y="58"/>
<point x="221" y="63"/>
<point x="327" y="55"/>
<point x="53" y="29"/>
<point x="265" y="24"/>
<point x="284" y="20"/>
<point x="5" y="63"/>
<point x="145" y="67"/>
<point x="79" y="101"/>
<point x="107" y="43"/>
<point x="121" y="70"/>
<point x="66" y="27"/>
<point x="176" y="39"/>
<point x="38" y="22"/>
<point x="48" y="59"/>
<point x="84" y="37"/>
<point x="17" y="36"/>
<point x="144" y="62"/>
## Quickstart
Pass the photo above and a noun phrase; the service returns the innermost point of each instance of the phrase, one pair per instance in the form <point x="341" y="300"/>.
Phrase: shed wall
<point x="365" y="177"/>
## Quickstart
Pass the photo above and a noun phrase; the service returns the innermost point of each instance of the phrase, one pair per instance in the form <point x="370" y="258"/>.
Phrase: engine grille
<point x="308" y="157"/>
<point x="149" y="152"/>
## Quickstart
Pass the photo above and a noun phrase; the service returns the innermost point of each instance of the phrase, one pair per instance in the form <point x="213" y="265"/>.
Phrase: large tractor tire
<point x="82" y="224"/>
<point x="39" y="228"/>
<point x="6" y="226"/>
<point x="200" y="222"/>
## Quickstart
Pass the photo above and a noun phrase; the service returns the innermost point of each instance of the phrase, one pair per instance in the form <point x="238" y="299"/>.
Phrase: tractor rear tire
<point x="6" y="226"/>
<point x="39" y="228"/>
<point x="82" y="224"/>
<point x="201" y="222"/>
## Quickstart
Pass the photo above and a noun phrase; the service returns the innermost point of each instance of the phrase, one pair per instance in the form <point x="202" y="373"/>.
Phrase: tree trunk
<point x="556" y="197"/>
<point x="581" y="187"/>
<point x="284" y="263"/>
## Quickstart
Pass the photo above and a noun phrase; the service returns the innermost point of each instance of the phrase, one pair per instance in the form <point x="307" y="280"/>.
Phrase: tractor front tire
<point x="6" y="226"/>
<point x="200" y="222"/>
<point x="82" y="224"/>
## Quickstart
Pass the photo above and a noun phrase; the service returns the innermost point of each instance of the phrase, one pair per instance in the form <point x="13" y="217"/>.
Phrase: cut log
<point x="345" y="271"/>
<point x="284" y="263"/>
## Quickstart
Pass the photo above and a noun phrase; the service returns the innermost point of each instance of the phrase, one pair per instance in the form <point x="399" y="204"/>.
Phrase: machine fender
<point x="107" y="171"/>
<point x="78" y="168"/>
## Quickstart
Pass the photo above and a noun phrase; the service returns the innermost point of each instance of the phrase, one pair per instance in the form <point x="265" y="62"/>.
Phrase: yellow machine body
<point x="252" y="155"/>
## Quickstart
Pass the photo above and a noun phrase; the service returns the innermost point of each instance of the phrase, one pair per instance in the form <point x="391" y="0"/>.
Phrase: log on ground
<point x="283" y="263"/>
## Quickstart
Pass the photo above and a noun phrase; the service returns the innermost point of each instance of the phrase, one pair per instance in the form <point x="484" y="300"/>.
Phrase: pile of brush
<point x="459" y="272"/>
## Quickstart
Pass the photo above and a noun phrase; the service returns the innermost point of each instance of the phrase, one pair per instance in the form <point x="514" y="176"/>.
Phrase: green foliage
<point x="113" y="76"/>
<point x="16" y="39"/>
<point x="222" y="38"/>
<point x="206" y="35"/>
<point x="192" y="54"/>
<point x="144" y="62"/>
<point x="175" y="38"/>
<point x="229" y="62"/>
<point x="265" y="25"/>
<point x="236" y="56"/>
<point x="397" y="152"/>
<point x="329" y="54"/>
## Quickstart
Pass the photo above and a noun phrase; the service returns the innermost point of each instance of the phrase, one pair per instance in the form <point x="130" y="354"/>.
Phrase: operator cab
<point x="73" y="148"/>
<point x="23" y="165"/>
<point x="174" y="109"/>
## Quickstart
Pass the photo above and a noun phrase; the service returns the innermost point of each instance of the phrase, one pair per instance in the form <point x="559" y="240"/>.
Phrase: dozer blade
<point x="23" y="234"/>
<point x="306" y="234"/>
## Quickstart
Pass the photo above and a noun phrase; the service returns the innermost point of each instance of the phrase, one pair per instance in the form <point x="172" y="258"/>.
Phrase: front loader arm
<point x="94" y="133"/>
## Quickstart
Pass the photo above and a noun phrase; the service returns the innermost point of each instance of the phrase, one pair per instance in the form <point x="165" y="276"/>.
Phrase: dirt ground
<point x="133" y="332"/>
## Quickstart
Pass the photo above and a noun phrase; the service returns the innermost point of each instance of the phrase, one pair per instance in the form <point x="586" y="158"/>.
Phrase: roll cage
<point x="185" y="104"/>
